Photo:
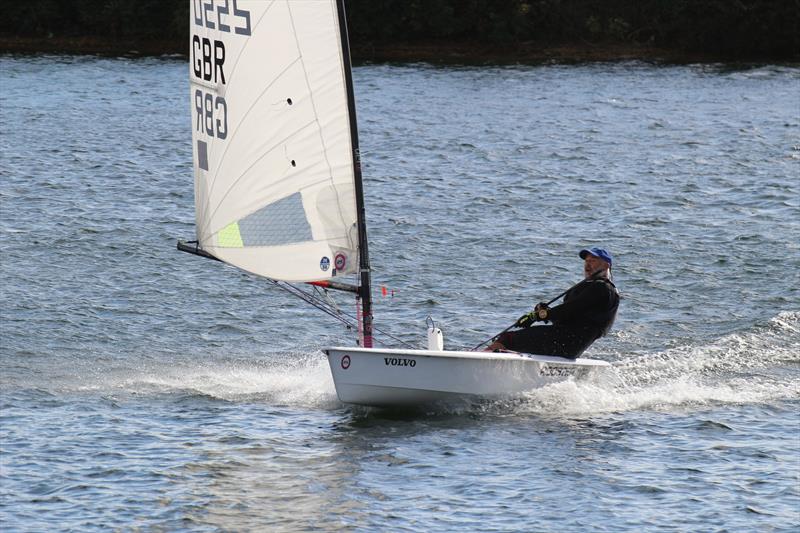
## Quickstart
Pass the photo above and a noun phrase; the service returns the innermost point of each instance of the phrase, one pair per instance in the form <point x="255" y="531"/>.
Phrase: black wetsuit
<point x="587" y="314"/>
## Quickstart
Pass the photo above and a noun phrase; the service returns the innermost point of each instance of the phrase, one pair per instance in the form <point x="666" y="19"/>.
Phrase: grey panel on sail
<point x="281" y="222"/>
<point x="202" y="155"/>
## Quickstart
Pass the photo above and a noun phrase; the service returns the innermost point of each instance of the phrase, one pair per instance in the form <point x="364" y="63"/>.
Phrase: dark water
<point x="142" y="388"/>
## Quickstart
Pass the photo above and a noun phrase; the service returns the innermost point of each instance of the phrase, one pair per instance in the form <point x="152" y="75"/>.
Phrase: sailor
<point x="588" y="312"/>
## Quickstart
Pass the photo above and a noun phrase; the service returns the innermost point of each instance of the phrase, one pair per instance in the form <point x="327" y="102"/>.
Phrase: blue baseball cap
<point x="597" y="252"/>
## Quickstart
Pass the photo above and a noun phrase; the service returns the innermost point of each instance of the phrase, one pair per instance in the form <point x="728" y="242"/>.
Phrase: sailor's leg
<point x="547" y="340"/>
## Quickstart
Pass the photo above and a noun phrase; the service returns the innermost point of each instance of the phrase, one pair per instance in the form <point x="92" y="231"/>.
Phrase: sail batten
<point x="274" y="164"/>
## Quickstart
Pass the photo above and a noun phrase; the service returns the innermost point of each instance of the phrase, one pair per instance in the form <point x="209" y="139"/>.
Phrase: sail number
<point x="228" y="20"/>
<point x="212" y="114"/>
<point x="208" y="60"/>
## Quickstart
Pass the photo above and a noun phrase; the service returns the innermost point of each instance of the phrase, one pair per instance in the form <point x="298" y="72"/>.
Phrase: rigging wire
<point x="401" y="341"/>
<point x="317" y="302"/>
<point x="329" y="307"/>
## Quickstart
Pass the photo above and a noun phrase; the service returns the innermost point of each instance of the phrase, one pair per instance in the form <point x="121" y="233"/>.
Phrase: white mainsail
<point x="274" y="162"/>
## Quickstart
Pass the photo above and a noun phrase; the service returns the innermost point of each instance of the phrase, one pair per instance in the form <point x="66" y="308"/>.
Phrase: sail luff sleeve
<point x="365" y="289"/>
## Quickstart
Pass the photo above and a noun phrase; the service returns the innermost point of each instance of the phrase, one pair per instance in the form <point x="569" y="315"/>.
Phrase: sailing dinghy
<point x="278" y="193"/>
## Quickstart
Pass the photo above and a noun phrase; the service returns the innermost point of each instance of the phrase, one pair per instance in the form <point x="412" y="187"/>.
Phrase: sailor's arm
<point x="593" y="298"/>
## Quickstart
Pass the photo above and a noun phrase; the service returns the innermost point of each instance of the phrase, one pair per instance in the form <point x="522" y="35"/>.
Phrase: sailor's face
<point x="592" y="264"/>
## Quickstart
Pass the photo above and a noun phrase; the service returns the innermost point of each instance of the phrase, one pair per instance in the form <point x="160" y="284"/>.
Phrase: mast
<point x="364" y="293"/>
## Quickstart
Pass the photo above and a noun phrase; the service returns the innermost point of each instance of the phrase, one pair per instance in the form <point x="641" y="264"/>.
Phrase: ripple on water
<point x="141" y="386"/>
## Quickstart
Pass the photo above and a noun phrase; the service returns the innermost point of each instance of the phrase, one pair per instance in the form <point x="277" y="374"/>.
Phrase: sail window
<point x="281" y="222"/>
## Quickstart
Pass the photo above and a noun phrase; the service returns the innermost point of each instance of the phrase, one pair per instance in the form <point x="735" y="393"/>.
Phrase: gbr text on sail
<point x="212" y="22"/>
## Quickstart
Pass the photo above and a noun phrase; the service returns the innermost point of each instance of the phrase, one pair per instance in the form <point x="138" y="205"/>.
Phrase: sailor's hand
<point x="542" y="311"/>
<point x="526" y="320"/>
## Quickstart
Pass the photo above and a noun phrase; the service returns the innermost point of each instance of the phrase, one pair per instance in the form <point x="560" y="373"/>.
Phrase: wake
<point x="759" y="365"/>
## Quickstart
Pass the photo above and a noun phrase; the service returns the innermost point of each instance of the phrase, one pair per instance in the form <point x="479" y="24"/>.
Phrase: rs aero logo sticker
<point x="346" y="362"/>
<point x="340" y="261"/>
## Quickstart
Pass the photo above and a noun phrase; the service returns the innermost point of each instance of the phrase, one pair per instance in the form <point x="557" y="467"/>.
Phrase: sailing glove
<point x="526" y="320"/>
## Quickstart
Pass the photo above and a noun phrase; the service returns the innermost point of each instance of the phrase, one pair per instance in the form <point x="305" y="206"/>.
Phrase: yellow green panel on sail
<point x="229" y="236"/>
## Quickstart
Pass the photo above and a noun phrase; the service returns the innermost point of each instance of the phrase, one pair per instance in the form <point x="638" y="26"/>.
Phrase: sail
<point x="274" y="165"/>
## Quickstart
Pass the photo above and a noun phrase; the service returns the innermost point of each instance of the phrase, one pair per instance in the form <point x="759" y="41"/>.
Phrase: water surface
<point x="145" y="388"/>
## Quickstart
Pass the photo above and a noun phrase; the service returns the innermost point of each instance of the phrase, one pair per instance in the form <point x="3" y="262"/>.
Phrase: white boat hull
<point x="385" y="378"/>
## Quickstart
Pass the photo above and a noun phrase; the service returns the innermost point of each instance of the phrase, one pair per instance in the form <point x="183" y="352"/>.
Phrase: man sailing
<point x="588" y="312"/>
